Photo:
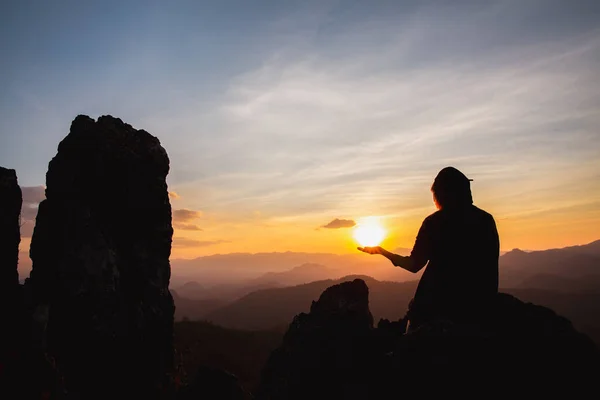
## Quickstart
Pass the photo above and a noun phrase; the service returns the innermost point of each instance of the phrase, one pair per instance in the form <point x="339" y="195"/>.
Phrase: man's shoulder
<point x="482" y="213"/>
<point x="433" y="217"/>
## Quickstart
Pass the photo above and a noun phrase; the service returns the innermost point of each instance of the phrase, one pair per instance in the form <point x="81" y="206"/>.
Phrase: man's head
<point x="451" y="189"/>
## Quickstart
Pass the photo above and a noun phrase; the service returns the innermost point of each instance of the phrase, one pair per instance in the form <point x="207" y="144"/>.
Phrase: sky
<point x="288" y="121"/>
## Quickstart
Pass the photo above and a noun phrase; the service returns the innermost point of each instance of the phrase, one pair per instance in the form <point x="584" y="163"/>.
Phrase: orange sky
<point x="526" y="219"/>
<point x="279" y="120"/>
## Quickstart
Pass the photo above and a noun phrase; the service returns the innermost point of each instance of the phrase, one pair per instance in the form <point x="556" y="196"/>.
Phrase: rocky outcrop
<point x="10" y="235"/>
<point x="11" y="307"/>
<point x="100" y="252"/>
<point x="24" y="371"/>
<point x="334" y="352"/>
<point x="323" y="351"/>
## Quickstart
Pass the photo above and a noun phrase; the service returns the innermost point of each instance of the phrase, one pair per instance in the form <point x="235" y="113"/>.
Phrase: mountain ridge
<point x="388" y="300"/>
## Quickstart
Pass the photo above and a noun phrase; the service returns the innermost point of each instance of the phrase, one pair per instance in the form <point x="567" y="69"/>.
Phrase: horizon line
<point x="502" y="252"/>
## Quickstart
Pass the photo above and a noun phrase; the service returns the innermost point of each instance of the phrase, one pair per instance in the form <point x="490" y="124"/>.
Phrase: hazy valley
<point x="566" y="280"/>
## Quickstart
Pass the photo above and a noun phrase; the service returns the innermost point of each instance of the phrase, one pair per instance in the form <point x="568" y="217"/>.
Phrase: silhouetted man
<point x="459" y="244"/>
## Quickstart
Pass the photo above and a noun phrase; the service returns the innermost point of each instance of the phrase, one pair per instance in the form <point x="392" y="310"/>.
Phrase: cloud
<point x="174" y="195"/>
<point x="185" y="242"/>
<point x="27" y="228"/>
<point x="186" y="227"/>
<point x="340" y="223"/>
<point x="32" y="196"/>
<point x="185" y="215"/>
<point x="346" y="134"/>
<point x="182" y="219"/>
<point x="29" y="212"/>
<point x="355" y="111"/>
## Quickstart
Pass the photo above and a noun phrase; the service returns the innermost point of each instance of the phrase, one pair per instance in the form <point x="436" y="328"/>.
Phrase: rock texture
<point x="335" y="353"/>
<point x="100" y="253"/>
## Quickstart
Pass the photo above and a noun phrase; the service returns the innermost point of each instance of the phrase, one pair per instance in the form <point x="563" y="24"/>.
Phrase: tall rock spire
<point x="100" y="252"/>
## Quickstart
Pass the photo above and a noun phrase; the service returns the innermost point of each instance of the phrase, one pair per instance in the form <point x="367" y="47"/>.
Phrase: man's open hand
<point x="371" y="249"/>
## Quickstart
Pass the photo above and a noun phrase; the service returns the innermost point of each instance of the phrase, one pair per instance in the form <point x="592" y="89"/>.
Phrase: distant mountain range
<point x="275" y="308"/>
<point x="304" y="273"/>
<point x="574" y="262"/>
<point x="566" y="280"/>
<point x="271" y="308"/>
<point x="240" y="268"/>
<point x="223" y="292"/>
<point x="563" y="284"/>
<point x="194" y="309"/>
<point x="229" y="274"/>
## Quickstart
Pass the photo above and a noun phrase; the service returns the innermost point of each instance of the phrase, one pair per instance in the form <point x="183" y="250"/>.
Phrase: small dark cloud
<point x="186" y="227"/>
<point x="185" y="242"/>
<point x="185" y="215"/>
<point x="340" y="223"/>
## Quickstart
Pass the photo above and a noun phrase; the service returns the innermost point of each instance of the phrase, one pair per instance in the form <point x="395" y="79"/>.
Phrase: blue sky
<point x="289" y="114"/>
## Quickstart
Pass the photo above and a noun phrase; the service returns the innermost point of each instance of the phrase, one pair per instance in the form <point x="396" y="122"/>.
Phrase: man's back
<point x="462" y="247"/>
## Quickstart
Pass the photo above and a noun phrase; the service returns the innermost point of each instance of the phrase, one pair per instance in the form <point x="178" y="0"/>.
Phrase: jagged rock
<point x="24" y="374"/>
<point x="322" y="350"/>
<point x="328" y="354"/>
<point x="101" y="271"/>
<point x="10" y="236"/>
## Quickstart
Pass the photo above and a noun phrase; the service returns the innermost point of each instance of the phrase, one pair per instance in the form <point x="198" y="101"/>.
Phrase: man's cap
<point x="449" y="177"/>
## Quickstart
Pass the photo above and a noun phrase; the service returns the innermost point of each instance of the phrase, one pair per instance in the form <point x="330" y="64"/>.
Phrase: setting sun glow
<point x="369" y="232"/>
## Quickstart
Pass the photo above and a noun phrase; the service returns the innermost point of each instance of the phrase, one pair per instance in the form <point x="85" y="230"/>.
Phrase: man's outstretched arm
<point x="418" y="257"/>
<point x="408" y="263"/>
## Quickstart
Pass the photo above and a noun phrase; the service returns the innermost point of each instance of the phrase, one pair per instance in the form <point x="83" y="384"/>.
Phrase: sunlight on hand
<point x="369" y="232"/>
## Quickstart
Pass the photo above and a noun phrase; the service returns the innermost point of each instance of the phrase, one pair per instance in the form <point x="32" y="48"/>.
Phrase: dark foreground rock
<point x="10" y="230"/>
<point x="321" y="349"/>
<point x="334" y="352"/>
<point x="100" y="252"/>
<point x="11" y="307"/>
<point x="214" y="384"/>
<point x="25" y="372"/>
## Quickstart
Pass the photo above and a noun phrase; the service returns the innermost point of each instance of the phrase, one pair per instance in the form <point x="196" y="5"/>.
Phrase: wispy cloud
<point x="186" y="227"/>
<point x="185" y="242"/>
<point x="331" y="139"/>
<point x="184" y="215"/>
<point x="336" y="108"/>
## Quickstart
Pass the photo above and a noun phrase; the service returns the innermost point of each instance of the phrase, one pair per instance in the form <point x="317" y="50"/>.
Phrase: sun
<point x="369" y="232"/>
